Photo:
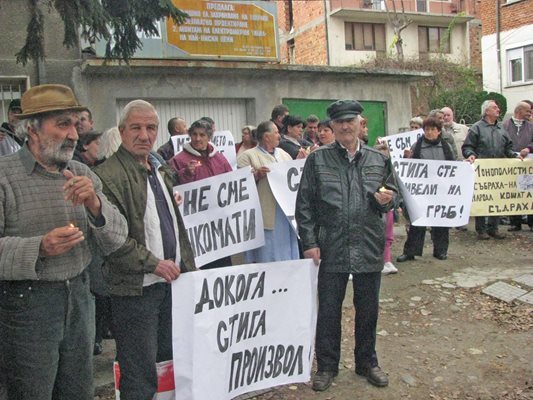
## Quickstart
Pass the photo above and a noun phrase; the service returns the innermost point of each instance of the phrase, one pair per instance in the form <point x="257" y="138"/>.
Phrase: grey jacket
<point x="486" y="140"/>
<point x="336" y="209"/>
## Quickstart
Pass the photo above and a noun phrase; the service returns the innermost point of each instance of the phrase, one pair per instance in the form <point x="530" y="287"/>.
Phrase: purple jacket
<point x="212" y="164"/>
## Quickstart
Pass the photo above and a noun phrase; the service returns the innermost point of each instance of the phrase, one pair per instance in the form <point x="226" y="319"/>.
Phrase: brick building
<point x="507" y="48"/>
<point x="349" y="32"/>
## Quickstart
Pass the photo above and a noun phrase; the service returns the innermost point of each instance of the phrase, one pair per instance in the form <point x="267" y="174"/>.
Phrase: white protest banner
<point x="222" y="140"/>
<point x="284" y="180"/>
<point x="225" y="144"/>
<point x="178" y="141"/>
<point x="436" y="193"/>
<point x="402" y="141"/>
<point x="222" y="215"/>
<point x="501" y="187"/>
<point x="243" y="328"/>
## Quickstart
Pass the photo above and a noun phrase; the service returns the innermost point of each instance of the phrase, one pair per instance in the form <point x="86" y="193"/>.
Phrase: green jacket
<point x="124" y="184"/>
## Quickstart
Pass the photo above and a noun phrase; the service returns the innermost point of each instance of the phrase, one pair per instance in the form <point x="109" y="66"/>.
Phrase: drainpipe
<point x="498" y="46"/>
<point x="327" y="30"/>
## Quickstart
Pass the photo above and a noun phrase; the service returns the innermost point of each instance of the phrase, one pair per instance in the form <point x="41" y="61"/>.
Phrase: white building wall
<point x="513" y="38"/>
<point x="341" y="57"/>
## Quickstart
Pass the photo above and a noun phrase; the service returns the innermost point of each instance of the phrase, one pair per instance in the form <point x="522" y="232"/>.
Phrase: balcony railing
<point x="410" y="6"/>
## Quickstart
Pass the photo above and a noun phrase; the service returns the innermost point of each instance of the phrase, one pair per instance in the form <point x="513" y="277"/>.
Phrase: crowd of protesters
<point x="89" y="221"/>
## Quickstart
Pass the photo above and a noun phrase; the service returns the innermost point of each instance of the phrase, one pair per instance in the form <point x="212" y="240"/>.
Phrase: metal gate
<point x="228" y="114"/>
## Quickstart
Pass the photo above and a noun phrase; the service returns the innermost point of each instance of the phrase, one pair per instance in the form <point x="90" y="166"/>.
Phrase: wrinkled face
<point x="524" y="113"/>
<point x="92" y="150"/>
<point x="325" y="135"/>
<point x="346" y="131"/>
<point x="139" y="133"/>
<point x="199" y="139"/>
<point x="312" y="129"/>
<point x="295" y="131"/>
<point x="54" y="143"/>
<point x="85" y="123"/>
<point x="431" y="132"/>
<point x="271" y="139"/>
<point x="492" y="111"/>
<point x="447" y="116"/>
<point x="246" y="136"/>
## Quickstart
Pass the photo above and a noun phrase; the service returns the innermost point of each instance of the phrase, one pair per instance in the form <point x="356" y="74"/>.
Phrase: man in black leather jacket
<point x="344" y="191"/>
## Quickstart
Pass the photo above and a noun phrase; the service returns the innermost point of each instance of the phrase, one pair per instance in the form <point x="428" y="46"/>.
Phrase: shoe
<point x="323" y="380"/>
<point x="374" y="375"/>
<point x="389" y="268"/>
<point x="514" y="229"/>
<point x="496" y="235"/>
<point x="405" y="257"/>
<point x="442" y="256"/>
<point x="483" y="236"/>
<point x="98" y="349"/>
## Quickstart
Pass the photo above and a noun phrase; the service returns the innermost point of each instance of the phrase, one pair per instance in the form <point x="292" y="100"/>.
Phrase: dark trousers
<point x="47" y="339"/>
<point x="331" y="291"/>
<point x="487" y="224"/>
<point x="414" y="244"/>
<point x="516" y="220"/>
<point x="142" y="326"/>
<point x="102" y="316"/>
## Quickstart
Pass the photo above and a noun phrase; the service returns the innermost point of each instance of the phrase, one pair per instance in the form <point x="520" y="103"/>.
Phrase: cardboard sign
<point x="222" y="215"/>
<point x="243" y="328"/>
<point x="436" y="193"/>
<point x="402" y="141"/>
<point x="284" y="180"/>
<point x="501" y="187"/>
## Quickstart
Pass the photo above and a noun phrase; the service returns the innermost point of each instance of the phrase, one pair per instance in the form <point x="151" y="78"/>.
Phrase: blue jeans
<point x="142" y="326"/>
<point x="46" y="339"/>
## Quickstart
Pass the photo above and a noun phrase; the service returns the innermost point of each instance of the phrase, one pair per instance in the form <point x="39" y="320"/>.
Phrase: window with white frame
<point x="520" y="65"/>
<point x="11" y="87"/>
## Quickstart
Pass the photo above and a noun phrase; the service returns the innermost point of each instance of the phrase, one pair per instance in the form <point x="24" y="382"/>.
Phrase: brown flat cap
<point x="47" y="98"/>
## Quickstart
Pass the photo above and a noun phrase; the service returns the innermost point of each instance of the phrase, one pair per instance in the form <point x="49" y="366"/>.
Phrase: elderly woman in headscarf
<point x="199" y="159"/>
<point x="281" y="242"/>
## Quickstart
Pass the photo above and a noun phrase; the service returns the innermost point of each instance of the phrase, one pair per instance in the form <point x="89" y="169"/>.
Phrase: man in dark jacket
<point x="520" y="131"/>
<point x="487" y="139"/>
<point x="344" y="191"/>
<point x="156" y="251"/>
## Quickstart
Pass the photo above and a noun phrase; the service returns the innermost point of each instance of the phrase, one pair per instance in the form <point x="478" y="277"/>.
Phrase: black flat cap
<point x="343" y="109"/>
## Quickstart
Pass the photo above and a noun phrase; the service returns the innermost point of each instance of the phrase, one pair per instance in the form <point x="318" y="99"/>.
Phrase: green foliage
<point x="114" y="21"/>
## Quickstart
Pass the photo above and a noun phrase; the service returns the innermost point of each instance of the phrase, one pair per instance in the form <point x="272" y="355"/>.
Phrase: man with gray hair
<point x="487" y="139"/>
<point x="52" y="213"/>
<point x="139" y="182"/>
<point x="453" y="129"/>
<point x="520" y="131"/>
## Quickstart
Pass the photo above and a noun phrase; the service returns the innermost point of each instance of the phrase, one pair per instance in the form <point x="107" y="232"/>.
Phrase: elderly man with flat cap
<point x="345" y="189"/>
<point x="52" y="211"/>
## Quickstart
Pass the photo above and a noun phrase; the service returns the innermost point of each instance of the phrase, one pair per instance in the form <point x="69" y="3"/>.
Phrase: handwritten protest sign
<point x="243" y="328"/>
<point x="222" y="215"/>
<point x="284" y="180"/>
<point x="498" y="189"/>
<point x="222" y="140"/>
<point x="402" y="141"/>
<point x="436" y="193"/>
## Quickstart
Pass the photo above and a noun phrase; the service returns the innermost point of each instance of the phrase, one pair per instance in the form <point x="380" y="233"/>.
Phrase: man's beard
<point x="57" y="154"/>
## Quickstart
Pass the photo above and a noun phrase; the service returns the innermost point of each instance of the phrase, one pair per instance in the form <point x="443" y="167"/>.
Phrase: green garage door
<point x="374" y="111"/>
